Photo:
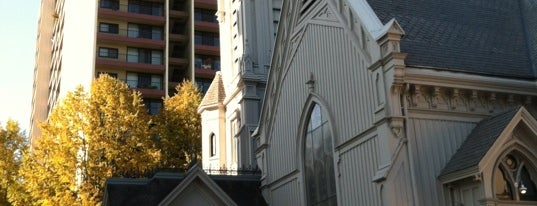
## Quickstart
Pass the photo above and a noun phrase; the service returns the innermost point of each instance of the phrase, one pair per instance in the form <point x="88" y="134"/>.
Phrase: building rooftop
<point x="488" y="37"/>
<point x="216" y="93"/>
<point x="243" y="189"/>
<point x="476" y="145"/>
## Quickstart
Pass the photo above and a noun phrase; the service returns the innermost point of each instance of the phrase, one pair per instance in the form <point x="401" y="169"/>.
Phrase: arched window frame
<point x="313" y="100"/>
<point x="512" y="176"/>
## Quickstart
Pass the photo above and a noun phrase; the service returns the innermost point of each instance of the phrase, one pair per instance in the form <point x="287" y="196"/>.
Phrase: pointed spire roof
<point x="215" y="94"/>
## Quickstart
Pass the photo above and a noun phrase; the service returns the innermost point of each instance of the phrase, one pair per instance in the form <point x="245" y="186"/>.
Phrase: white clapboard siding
<point x="432" y="142"/>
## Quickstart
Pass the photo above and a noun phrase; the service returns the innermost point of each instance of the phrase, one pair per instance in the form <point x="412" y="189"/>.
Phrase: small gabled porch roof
<point x="469" y="160"/>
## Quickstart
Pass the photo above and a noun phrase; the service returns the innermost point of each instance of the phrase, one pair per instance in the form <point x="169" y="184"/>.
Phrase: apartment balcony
<point x="180" y="38"/>
<point x="177" y="75"/>
<point x="208" y="50"/>
<point x="206" y="26"/>
<point x="172" y="85"/>
<point x="151" y="93"/>
<point x="126" y="62"/>
<point x="204" y="73"/>
<point x="179" y="15"/>
<point x="153" y="90"/>
<point x="206" y="4"/>
<point x="133" y="38"/>
<point x="133" y="13"/>
<point x="178" y="61"/>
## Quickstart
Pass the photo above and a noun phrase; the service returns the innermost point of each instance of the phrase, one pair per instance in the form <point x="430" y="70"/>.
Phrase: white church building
<point x="415" y="102"/>
<point x="366" y="103"/>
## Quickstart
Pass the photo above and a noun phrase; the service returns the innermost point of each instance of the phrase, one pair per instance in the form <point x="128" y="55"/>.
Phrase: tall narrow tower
<point x="230" y="110"/>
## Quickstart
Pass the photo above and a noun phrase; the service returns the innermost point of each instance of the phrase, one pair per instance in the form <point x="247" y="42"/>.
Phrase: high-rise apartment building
<point x="152" y="45"/>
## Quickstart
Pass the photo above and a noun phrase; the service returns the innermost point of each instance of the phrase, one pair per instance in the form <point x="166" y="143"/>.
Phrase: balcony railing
<point x="135" y="84"/>
<point x="143" y="34"/>
<point x="149" y="8"/>
<point x="133" y="58"/>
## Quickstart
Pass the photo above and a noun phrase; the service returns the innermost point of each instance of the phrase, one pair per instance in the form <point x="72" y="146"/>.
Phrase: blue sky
<point x="18" y="38"/>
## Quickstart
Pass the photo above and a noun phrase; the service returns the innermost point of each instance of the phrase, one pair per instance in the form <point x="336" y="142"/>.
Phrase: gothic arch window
<point x="319" y="160"/>
<point x="514" y="179"/>
<point x="212" y="143"/>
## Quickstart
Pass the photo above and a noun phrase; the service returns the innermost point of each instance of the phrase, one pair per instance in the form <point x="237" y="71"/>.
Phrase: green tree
<point x="12" y="145"/>
<point x="178" y="127"/>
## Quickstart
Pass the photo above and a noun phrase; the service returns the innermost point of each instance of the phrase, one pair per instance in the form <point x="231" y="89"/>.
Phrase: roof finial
<point x="311" y="82"/>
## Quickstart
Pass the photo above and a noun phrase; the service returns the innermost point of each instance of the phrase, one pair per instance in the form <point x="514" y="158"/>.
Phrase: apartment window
<point x="213" y="145"/>
<point x="109" y="4"/>
<point x="144" y="7"/>
<point x="144" y="81"/>
<point x="109" y="28"/>
<point x="205" y="15"/>
<point x="144" y="31"/>
<point x="203" y="85"/>
<point x="153" y="105"/>
<point x="207" y="62"/>
<point x="319" y="160"/>
<point x="108" y="52"/>
<point x="207" y="38"/>
<point x="146" y="56"/>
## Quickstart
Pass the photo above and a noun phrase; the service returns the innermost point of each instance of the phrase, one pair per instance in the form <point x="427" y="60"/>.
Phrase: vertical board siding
<point x="329" y="54"/>
<point x="438" y="140"/>
<point x="287" y="194"/>
<point x="357" y="168"/>
<point x="283" y="144"/>
<point x="403" y="187"/>
<point x="341" y="80"/>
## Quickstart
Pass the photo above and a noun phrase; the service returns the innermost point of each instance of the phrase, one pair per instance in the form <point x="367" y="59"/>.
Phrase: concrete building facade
<point x="151" y="45"/>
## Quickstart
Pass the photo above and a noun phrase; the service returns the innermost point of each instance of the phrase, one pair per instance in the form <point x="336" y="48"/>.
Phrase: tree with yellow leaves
<point x="178" y="127"/>
<point x="12" y="145"/>
<point x="87" y="139"/>
<point x="116" y="130"/>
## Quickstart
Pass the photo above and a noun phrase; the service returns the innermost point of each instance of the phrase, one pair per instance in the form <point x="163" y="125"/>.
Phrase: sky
<point x="17" y="38"/>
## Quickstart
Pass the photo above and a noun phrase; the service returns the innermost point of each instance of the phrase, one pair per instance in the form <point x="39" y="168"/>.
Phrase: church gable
<point x="297" y="19"/>
<point x="197" y="189"/>
<point x="497" y="162"/>
<point x="322" y="53"/>
<point x="196" y="194"/>
<point x="515" y="128"/>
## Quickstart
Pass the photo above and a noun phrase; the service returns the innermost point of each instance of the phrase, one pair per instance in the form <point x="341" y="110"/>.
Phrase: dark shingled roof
<point x="476" y="145"/>
<point x="242" y="189"/>
<point x="489" y="37"/>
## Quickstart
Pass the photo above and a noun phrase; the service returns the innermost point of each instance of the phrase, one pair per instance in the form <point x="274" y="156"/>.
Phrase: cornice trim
<point x="432" y="77"/>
